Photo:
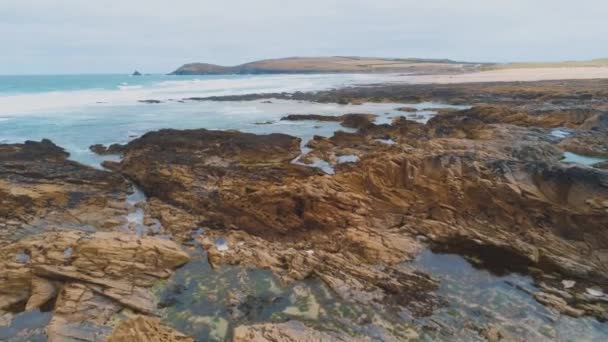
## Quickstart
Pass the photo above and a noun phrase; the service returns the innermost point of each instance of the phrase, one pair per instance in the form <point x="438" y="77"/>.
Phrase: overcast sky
<point x="77" y="36"/>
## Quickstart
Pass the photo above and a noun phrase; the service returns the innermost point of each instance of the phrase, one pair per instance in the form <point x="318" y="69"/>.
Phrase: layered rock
<point x="274" y="214"/>
<point x="483" y="180"/>
<point x="292" y="331"/>
<point x="93" y="276"/>
<point x="40" y="188"/>
<point x="346" y="120"/>
<point x="146" y="329"/>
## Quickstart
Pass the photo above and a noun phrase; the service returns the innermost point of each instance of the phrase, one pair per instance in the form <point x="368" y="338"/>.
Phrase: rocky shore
<point x="487" y="182"/>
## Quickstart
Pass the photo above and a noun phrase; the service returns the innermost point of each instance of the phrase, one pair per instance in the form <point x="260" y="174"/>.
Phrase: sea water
<point x="78" y="111"/>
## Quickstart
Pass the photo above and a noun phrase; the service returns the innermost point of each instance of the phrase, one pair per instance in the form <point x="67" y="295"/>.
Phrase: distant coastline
<point x="338" y="64"/>
<point x="320" y="65"/>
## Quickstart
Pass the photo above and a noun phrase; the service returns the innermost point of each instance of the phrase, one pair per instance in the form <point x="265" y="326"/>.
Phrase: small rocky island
<point x="136" y="73"/>
<point x="487" y="182"/>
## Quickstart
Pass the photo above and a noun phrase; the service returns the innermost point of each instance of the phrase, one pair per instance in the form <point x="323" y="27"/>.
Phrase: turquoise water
<point x="478" y="296"/>
<point x="570" y="157"/>
<point x="28" y="84"/>
<point x="78" y="111"/>
<point x="19" y="84"/>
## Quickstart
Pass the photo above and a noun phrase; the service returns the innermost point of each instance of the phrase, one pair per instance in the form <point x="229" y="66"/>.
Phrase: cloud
<point x="41" y="36"/>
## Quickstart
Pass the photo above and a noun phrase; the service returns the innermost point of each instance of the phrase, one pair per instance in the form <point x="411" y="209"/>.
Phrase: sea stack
<point x="136" y="73"/>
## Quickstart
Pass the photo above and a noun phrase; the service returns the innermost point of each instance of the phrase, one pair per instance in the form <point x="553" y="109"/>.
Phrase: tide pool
<point x="570" y="157"/>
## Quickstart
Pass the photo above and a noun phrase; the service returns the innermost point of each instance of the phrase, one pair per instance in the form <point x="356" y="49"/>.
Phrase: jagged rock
<point x="40" y="189"/>
<point x="558" y="303"/>
<point x="81" y="315"/>
<point x="292" y="331"/>
<point x="407" y="109"/>
<point x="146" y="329"/>
<point x="588" y="143"/>
<point x="42" y="290"/>
<point x="346" y="120"/>
<point x="478" y="180"/>
<point x="103" y="273"/>
<point x="252" y="187"/>
<point x="106" y="150"/>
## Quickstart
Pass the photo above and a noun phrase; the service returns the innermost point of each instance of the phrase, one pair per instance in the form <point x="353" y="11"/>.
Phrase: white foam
<point x="129" y="94"/>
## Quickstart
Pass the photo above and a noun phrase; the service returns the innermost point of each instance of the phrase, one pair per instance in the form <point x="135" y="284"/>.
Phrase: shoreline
<point x="517" y="75"/>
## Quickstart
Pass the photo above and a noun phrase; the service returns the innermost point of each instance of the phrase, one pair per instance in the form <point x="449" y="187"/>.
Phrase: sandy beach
<point x="515" y="75"/>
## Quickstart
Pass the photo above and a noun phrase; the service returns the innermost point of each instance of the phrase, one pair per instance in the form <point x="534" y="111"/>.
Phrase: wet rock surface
<point x="40" y="188"/>
<point x="85" y="278"/>
<point x="486" y="182"/>
<point x="62" y="248"/>
<point x="278" y="215"/>
<point x="288" y="332"/>
<point x="346" y="120"/>
<point x="144" y="329"/>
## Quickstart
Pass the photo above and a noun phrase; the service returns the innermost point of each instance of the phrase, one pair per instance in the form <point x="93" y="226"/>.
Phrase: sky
<point x="157" y="36"/>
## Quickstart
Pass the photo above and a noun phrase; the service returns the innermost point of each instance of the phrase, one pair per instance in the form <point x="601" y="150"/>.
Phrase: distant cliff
<point x="302" y="65"/>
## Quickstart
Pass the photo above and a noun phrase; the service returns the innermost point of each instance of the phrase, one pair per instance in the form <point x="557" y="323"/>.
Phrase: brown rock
<point x="558" y="303"/>
<point x="43" y="290"/>
<point x="347" y="120"/>
<point x="99" y="274"/>
<point x="41" y="189"/>
<point x="146" y="329"/>
<point x="292" y="331"/>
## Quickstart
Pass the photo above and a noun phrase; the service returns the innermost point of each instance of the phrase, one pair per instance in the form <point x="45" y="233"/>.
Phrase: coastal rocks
<point x="587" y="143"/>
<point x="291" y="331"/>
<point x="485" y="182"/>
<point x="216" y="172"/>
<point x="40" y="188"/>
<point x="558" y="303"/>
<point x="407" y="109"/>
<point x="474" y="181"/>
<point x="106" y="150"/>
<point x="346" y="120"/>
<point x="92" y="275"/>
<point x="275" y="214"/>
<point x="146" y="329"/>
<point x="601" y="165"/>
<point x="351" y="272"/>
<point x="81" y="315"/>
<point x="543" y="95"/>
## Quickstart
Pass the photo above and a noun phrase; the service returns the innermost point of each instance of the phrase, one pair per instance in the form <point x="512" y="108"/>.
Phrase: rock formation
<point x="292" y="331"/>
<point x="146" y="329"/>
<point x="93" y="276"/>
<point x="482" y="180"/>
<point x="40" y="189"/>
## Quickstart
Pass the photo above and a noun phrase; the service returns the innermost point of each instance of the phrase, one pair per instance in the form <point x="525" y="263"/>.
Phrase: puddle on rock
<point x="560" y="133"/>
<point x="478" y="300"/>
<point x="574" y="158"/>
<point x="25" y="326"/>
<point x="208" y="304"/>
<point x="421" y="112"/>
<point x="351" y="158"/>
<point x="386" y="141"/>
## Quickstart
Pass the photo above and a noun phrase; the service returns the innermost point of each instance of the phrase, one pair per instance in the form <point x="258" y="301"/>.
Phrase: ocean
<point x="76" y="111"/>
